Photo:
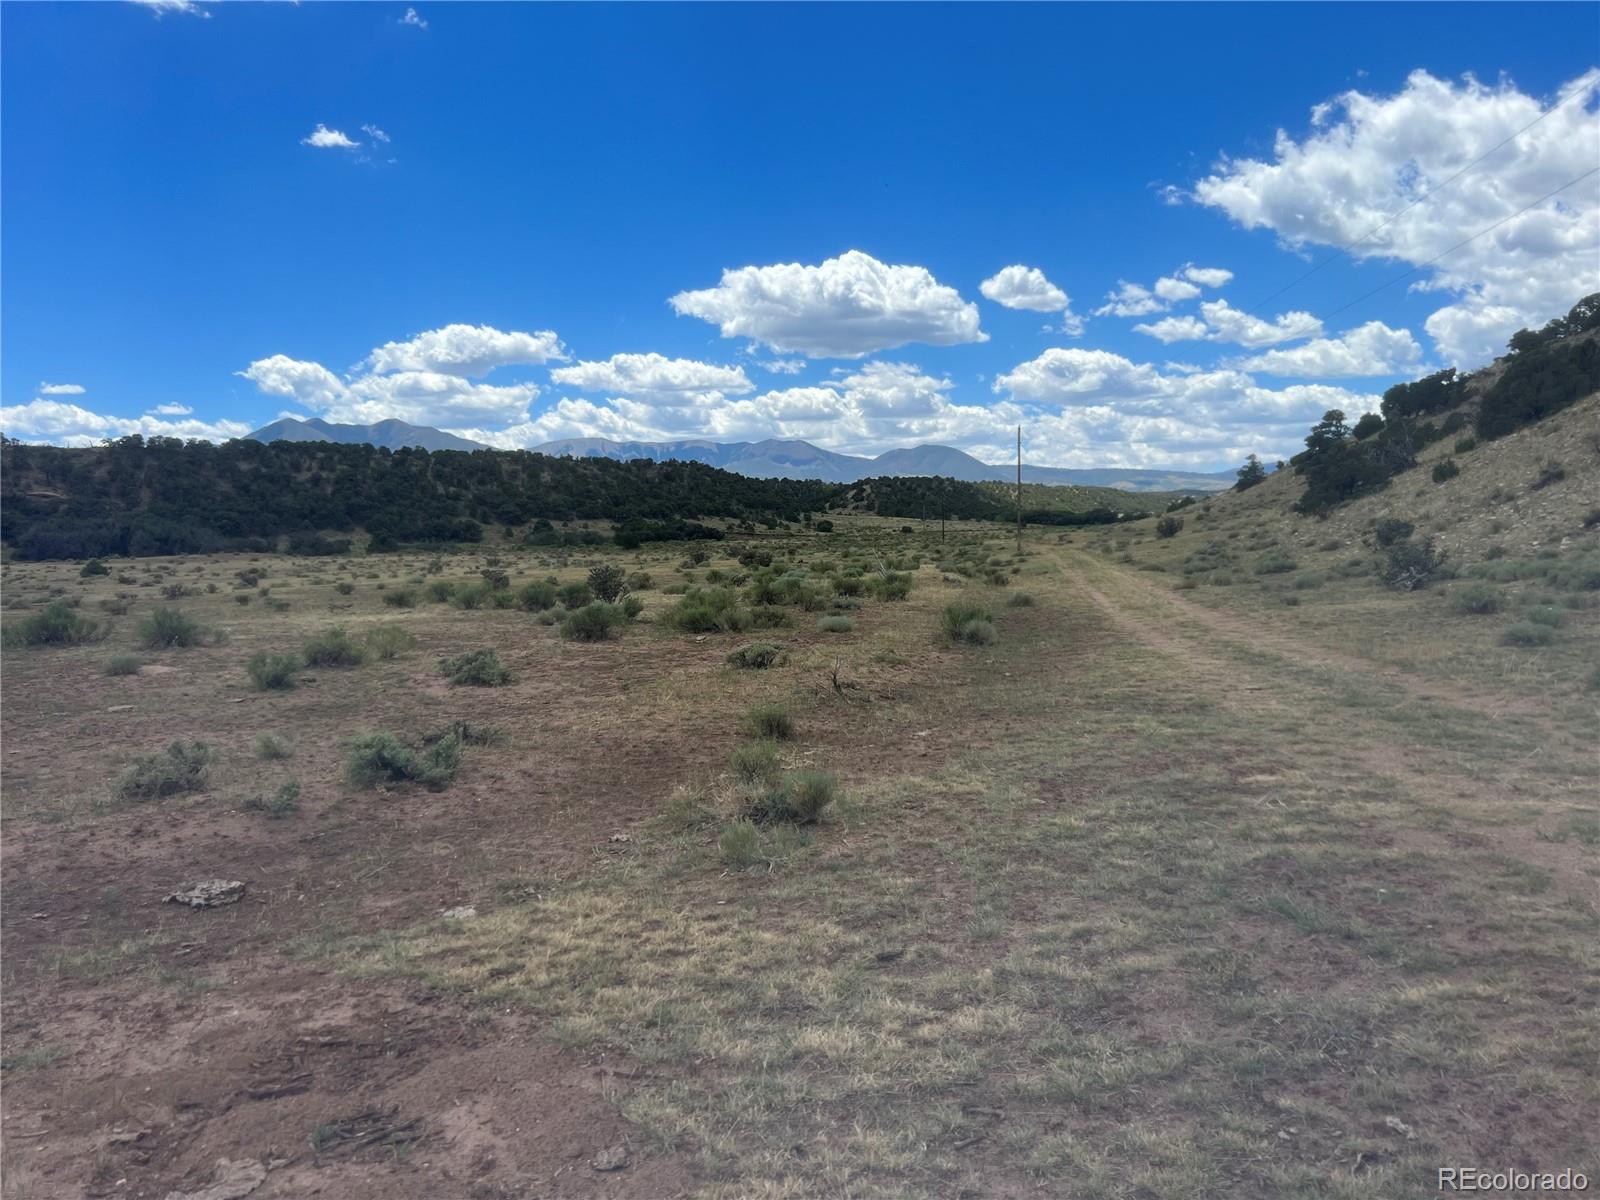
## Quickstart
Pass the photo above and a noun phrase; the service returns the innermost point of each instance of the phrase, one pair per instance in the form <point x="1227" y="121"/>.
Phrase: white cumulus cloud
<point x="1367" y="158"/>
<point x="846" y="307"/>
<point x="1136" y="300"/>
<point x="417" y="397"/>
<point x="654" y="377"/>
<point x="428" y="380"/>
<point x="1219" y="321"/>
<point x="308" y="383"/>
<point x="63" y="424"/>
<point x="1229" y="324"/>
<point x="1024" y="287"/>
<point x="1172" y="290"/>
<point x="61" y="389"/>
<point x="1370" y="349"/>
<point x="171" y="410"/>
<point x="328" y="139"/>
<point x="467" y="350"/>
<point x="1175" y="329"/>
<point x="414" y="19"/>
<point x="187" y="7"/>
<point x="1211" y="277"/>
<point x="1028" y="288"/>
<point x="1130" y="300"/>
<point x="1094" y="406"/>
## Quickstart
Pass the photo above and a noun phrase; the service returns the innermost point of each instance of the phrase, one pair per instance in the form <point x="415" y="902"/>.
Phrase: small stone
<point x="612" y="1158"/>
<point x="1400" y="1127"/>
<point x="207" y="893"/>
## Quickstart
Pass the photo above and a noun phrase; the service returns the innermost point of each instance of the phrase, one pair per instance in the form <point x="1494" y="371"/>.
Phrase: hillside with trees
<point x="1544" y="372"/>
<point x="139" y="496"/>
<point x="165" y="496"/>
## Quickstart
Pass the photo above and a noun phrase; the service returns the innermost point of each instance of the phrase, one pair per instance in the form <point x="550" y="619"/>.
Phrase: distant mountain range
<point x="774" y="458"/>
<point x="391" y="435"/>
<point x="770" y="459"/>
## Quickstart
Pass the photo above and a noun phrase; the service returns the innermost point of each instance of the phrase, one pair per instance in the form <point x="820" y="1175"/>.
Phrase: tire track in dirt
<point x="1247" y="686"/>
<point x="1259" y="639"/>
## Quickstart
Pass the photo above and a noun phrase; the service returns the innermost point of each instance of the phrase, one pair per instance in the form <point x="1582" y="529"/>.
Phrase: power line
<point x="1347" y="247"/>
<point x="1463" y="242"/>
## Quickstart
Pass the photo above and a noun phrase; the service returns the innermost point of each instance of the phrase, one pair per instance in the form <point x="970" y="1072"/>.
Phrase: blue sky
<point x="528" y="222"/>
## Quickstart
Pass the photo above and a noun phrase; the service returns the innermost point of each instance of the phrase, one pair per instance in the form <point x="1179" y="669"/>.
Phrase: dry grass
<point x="1164" y="894"/>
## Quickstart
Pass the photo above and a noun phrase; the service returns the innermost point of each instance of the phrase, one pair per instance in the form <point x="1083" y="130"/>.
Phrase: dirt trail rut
<point x="1169" y="624"/>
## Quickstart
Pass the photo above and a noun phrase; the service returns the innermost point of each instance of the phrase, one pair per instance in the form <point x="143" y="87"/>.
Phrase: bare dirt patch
<point x="269" y="1065"/>
<point x="174" y="1038"/>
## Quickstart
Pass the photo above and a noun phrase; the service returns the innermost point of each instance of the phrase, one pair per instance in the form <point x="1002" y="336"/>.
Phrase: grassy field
<point x="1146" y="873"/>
<point x="1073" y="498"/>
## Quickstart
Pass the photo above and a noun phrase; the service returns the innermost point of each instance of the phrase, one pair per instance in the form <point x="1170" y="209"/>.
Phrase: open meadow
<point x="860" y="863"/>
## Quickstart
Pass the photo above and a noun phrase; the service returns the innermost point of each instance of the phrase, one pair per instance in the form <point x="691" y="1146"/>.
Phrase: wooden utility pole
<point x="1019" y="489"/>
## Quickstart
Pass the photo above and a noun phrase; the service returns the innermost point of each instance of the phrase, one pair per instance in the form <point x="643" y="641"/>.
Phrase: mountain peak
<point x="390" y="434"/>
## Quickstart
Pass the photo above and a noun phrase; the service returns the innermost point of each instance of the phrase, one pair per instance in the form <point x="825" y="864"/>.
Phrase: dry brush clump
<point x="334" y="648"/>
<point x="708" y="610"/>
<point x="476" y="668"/>
<point x="271" y="671"/>
<point x="794" y="798"/>
<point x="755" y="762"/>
<point x="270" y="747"/>
<point x="172" y="628"/>
<point x="57" y="624"/>
<point x="181" y="767"/>
<point x="739" y="843"/>
<point x="1476" y="599"/>
<point x="764" y="792"/>
<point x="966" y="622"/>
<point x="381" y="757"/>
<point x="1409" y="565"/>
<point x="758" y="656"/>
<point x="596" y="622"/>
<point x="1528" y="634"/>
<point x="386" y="642"/>
<point x="282" y="803"/>
<point x="889" y="585"/>
<point x="769" y="720"/>
<point x="537" y="596"/>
